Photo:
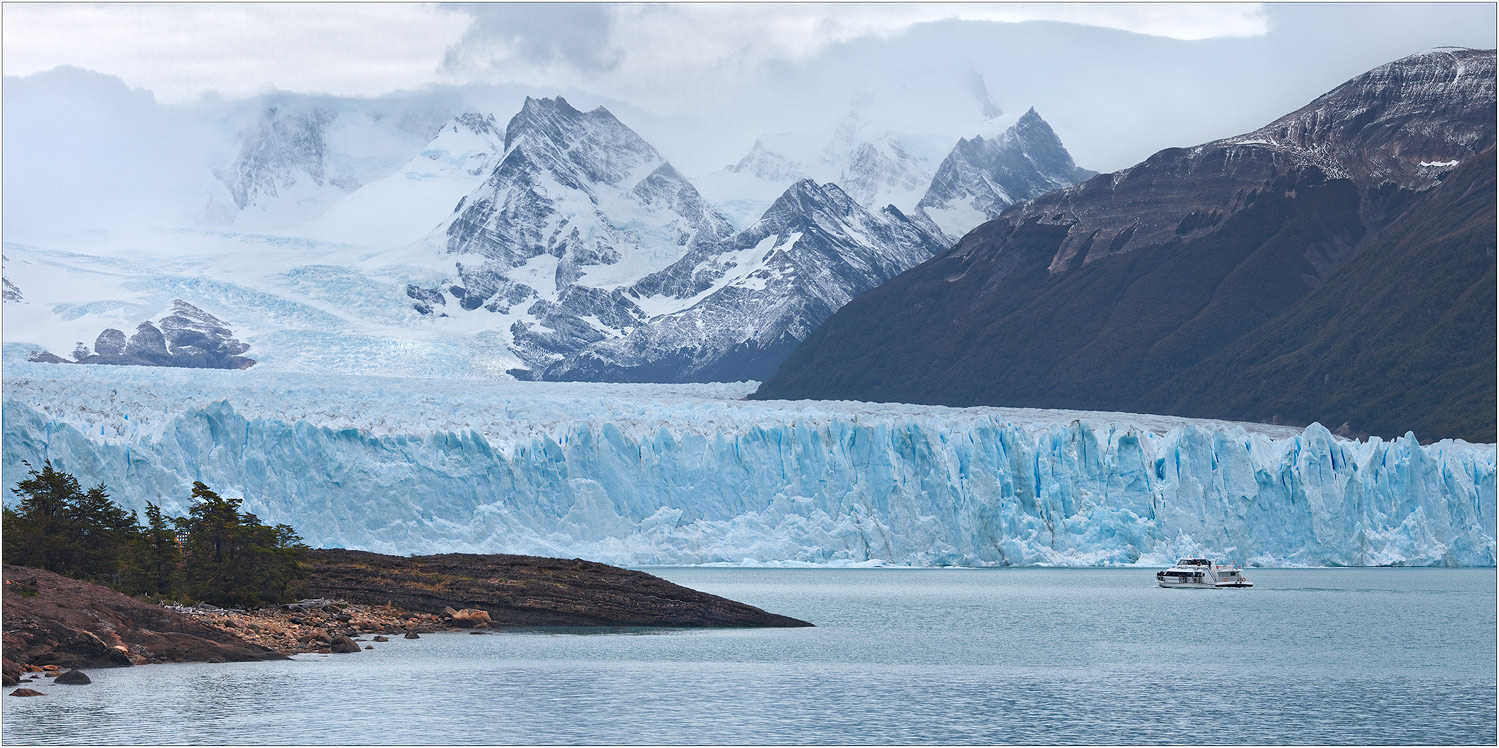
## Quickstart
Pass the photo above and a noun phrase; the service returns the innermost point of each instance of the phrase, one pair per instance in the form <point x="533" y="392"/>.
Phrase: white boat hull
<point x="1206" y="585"/>
<point x="1202" y="574"/>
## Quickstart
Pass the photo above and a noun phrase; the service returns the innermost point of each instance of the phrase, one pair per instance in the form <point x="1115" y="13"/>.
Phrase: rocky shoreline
<point x="316" y="625"/>
<point x="54" y="624"/>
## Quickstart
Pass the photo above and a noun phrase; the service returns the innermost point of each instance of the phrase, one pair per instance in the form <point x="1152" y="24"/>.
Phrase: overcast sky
<point x="1117" y="81"/>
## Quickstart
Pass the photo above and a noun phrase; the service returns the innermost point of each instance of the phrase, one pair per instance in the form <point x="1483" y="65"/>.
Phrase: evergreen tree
<point x="157" y="555"/>
<point x="233" y="559"/>
<point x="100" y="531"/>
<point x="215" y="554"/>
<point x="61" y="528"/>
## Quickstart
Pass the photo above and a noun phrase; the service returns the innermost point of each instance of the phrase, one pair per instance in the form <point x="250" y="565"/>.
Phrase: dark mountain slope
<point x="967" y="320"/>
<point x="1105" y="295"/>
<point x="1420" y="298"/>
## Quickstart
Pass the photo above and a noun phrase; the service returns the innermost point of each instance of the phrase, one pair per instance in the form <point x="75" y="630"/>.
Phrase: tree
<point x="61" y="528"/>
<point x="156" y="556"/>
<point x="233" y="559"/>
<point x="216" y="553"/>
<point x="99" y="531"/>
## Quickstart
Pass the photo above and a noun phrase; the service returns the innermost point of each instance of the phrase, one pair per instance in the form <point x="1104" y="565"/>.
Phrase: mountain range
<point x="557" y="245"/>
<point x="1336" y="265"/>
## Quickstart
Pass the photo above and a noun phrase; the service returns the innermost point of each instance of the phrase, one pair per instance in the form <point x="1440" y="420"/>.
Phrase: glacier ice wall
<point x="687" y="474"/>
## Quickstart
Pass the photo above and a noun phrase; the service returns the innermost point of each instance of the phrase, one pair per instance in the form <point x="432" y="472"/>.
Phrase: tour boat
<point x="1202" y="574"/>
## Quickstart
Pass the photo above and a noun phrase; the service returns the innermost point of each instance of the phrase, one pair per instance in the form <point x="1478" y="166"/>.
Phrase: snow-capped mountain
<point x="744" y="305"/>
<point x="560" y="245"/>
<point x="948" y="187"/>
<point x="875" y="166"/>
<point x="983" y="176"/>
<point x="407" y="205"/>
<point x="1406" y="122"/>
<point x="602" y="262"/>
<point x="578" y="208"/>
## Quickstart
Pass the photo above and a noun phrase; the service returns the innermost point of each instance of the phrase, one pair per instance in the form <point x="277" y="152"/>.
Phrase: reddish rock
<point x="26" y="692"/>
<point x="472" y="617"/>
<point x="78" y="624"/>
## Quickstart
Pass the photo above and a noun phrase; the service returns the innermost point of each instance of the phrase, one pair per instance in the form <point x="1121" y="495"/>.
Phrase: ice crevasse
<point x="691" y="474"/>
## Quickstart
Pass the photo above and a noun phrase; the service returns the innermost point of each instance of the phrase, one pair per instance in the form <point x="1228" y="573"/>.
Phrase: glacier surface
<point x="692" y="474"/>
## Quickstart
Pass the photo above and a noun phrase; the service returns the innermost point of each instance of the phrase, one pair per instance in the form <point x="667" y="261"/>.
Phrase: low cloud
<point x="181" y="51"/>
<point x="649" y="51"/>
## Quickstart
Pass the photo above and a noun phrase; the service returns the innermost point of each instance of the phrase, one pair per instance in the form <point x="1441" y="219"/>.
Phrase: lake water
<point x="1368" y="656"/>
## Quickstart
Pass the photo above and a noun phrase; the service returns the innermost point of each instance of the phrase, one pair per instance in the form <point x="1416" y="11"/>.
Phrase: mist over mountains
<point x="554" y="243"/>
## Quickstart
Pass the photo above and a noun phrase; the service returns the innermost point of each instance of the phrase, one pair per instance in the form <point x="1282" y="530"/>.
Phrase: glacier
<point x="693" y="474"/>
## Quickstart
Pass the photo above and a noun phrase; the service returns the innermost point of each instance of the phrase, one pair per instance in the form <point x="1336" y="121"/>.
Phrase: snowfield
<point x="693" y="474"/>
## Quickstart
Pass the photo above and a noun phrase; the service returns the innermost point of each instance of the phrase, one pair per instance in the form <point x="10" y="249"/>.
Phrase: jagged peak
<point x="810" y="189"/>
<point x="554" y="121"/>
<point x="541" y="117"/>
<point x="553" y="104"/>
<point x="806" y="197"/>
<point x="477" y="122"/>
<point x="1032" y="123"/>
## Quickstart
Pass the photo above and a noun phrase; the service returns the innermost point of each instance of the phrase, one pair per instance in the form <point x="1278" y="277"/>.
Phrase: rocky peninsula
<point x="526" y="590"/>
<point x="52" y="623"/>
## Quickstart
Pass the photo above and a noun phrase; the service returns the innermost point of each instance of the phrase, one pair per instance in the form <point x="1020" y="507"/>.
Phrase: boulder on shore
<point x="343" y="645"/>
<point x="472" y="617"/>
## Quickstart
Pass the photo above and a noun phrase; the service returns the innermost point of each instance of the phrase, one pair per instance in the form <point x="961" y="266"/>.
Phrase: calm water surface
<point x="1368" y="656"/>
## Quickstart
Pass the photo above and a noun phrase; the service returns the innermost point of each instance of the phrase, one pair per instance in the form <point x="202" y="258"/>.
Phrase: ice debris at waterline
<point x="691" y="474"/>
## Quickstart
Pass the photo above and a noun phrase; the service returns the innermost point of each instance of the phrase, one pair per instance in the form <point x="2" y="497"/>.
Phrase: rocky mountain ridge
<point x="1406" y="122"/>
<point x="981" y="177"/>
<point x="602" y="262"/>
<point x="1104" y="295"/>
<point x="815" y="249"/>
